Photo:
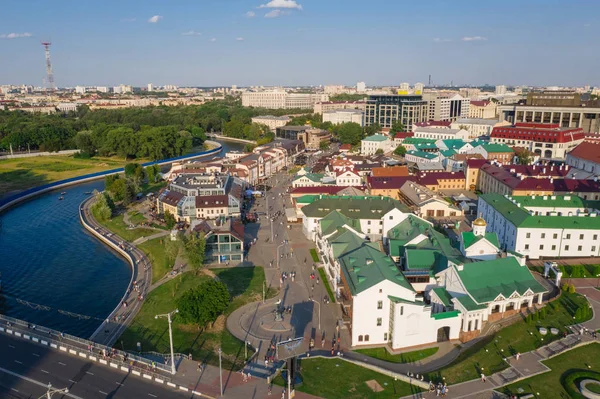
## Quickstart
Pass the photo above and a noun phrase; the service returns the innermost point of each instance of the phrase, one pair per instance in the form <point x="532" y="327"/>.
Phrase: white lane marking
<point x="44" y="371"/>
<point x="74" y="382"/>
<point x="45" y="386"/>
<point x="16" y="390"/>
<point x="154" y="396"/>
<point x="87" y="372"/>
<point x="10" y="346"/>
<point x="62" y="364"/>
<point x="16" y="361"/>
<point x="103" y="393"/>
<point x="118" y="383"/>
<point x="35" y="354"/>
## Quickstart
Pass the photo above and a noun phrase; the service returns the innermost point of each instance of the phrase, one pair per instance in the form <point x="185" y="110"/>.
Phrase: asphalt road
<point x="27" y="368"/>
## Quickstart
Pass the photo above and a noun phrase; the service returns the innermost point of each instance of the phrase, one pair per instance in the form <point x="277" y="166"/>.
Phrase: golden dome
<point x="479" y="222"/>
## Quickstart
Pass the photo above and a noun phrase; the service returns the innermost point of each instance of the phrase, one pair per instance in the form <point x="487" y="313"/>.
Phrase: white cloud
<point x="250" y="14"/>
<point x="276" y="13"/>
<point x="191" y="33"/>
<point x="282" y="4"/>
<point x="440" y="40"/>
<point x="15" y="35"/>
<point x="239" y="39"/>
<point x="128" y="19"/>
<point x="155" y="19"/>
<point x="212" y="39"/>
<point x="473" y="39"/>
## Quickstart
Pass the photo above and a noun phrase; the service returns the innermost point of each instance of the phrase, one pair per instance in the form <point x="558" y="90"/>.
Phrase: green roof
<point x="423" y="154"/>
<point x="445" y="315"/>
<point x="444" y="296"/>
<point x="428" y="146"/>
<point x="395" y="299"/>
<point x="447" y="153"/>
<point x="469" y="238"/>
<point x="555" y="201"/>
<point x="376" y="137"/>
<point x="416" y="140"/>
<point x="432" y="261"/>
<point x="335" y="220"/>
<point x="520" y="217"/>
<point x="486" y="280"/>
<point x="496" y="148"/>
<point x="316" y="177"/>
<point x="454" y="144"/>
<point x="353" y="207"/>
<point x="307" y="199"/>
<point x="469" y="303"/>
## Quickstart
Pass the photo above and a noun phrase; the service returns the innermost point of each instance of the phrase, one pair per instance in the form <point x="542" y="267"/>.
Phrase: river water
<point x="54" y="273"/>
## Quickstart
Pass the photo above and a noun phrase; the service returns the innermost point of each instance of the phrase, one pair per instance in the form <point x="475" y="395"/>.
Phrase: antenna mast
<point x="50" y="75"/>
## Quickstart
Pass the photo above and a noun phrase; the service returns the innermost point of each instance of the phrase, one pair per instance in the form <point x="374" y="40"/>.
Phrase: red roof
<point x="403" y="135"/>
<point x="476" y="163"/>
<point x="211" y="201"/>
<point x="345" y="147"/>
<point x="483" y="103"/>
<point x="539" y="133"/>
<point x="538" y="125"/>
<point x="433" y="123"/>
<point x="588" y="151"/>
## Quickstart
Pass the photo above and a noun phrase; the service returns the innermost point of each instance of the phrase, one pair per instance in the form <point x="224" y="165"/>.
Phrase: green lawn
<point x="550" y="384"/>
<point x="488" y="354"/>
<point x="573" y="271"/>
<point x="314" y="255"/>
<point x="326" y="282"/>
<point x="338" y="379"/>
<point x="136" y="217"/>
<point x="245" y="285"/>
<point x="118" y="226"/>
<point x="408" y="357"/>
<point x="23" y="173"/>
<point x="161" y="262"/>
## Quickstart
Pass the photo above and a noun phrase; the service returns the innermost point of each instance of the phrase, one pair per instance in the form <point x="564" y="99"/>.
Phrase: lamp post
<point x="168" y="315"/>
<point x="220" y="372"/>
<point x="278" y="256"/>
<point x="51" y="392"/>
<point x="318" y="303"/>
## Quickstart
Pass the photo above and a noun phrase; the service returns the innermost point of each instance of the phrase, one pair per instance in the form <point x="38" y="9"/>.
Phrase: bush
<point x="571" y="289"/>
<point x="314" y="255"/>
<point x="203" y="304"/>
<point x="565" y="287"/>
<point x="570" y="382"/>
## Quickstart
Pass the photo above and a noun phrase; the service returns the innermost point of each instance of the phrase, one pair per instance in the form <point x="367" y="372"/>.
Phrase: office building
<point x="446" y="106"/>
<point x="500" y="90"/>
<point x="344" y="116"/>
<point x="80" y="89"/>
<point x="321" y="107"/>
<point x="386" y="109"/>
<point x="272" y="122"/>
<point x="150" y="87"/>
<point x="280" y="99"/>
<point x="482" y="109"/>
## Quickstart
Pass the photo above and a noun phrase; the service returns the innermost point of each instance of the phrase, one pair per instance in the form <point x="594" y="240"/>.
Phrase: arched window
<point x="367" y="338"/>
<point x="360" y="338"/>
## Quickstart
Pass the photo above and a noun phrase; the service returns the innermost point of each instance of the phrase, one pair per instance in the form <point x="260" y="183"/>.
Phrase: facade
<point x="313" y="138"/>
<point x="586" y="156"/>
<point x="549" y="226"/>
<point x="339" y="116"/>
<point x="499" y="152"/>
<point x="482" y="109"/>
<point x="546" y="140"/>
<point x="387" y="109"/>
<point x="585" y="116"/>
<point x="426" y="203"/>
<point x="326" y="106"/>
<point x="348" y="178"/>
<point x="280" y="99"/>
<point x="272" y="122"/>
<point x="446" y="106"/>
<point x="371" y="144"/>
<point x="224" y="242"/>
<point x="477" y="127"/>
<point x="435" y="133"/>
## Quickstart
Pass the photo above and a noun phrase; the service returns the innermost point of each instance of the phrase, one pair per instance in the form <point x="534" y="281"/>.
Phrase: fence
<point x="17" y="154"/>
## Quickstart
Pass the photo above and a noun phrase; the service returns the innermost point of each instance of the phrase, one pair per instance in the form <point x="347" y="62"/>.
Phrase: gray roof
<point x="477" y="121"/>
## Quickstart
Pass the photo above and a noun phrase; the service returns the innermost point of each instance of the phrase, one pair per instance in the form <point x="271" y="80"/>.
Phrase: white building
<point x="280" y="99"/>
<point x="344" y="116"/>
<point x="102" y="89"/>
<point x="334" y="89"/>
<point x="477" y="127"/>
<point x="361" y="87"/>
<point x="586" y="156"/>
<point x="404" y="88"/>
<point x="435" y="133"/>
<point x="446" y="106"/>
<point x="371" y="144"/>
<point x="548" y="226"/>
<point x="150" y="87"/>
<point x="500" y="90"/>
<point x="418" y="90"/>
<point x="348" y="177"/>
<point x="121" y="89"/>
<point x="272" y="122"/>
<point x="422" y="157"/>
<point x="80" y="89"/>
<point x="67" y="107"/>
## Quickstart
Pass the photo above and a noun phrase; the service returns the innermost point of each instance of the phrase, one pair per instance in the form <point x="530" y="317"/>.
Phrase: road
<point x="27" y="368"/>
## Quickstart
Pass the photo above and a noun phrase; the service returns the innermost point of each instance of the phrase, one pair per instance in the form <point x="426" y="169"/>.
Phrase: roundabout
<point x="587" y="392"/>
<point x="263" y="321"/>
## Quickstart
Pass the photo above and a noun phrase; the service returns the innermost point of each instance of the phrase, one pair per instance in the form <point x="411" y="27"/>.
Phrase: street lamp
<point x="168" y="315"/>
<point x="51" y="392"/>
<point x="278" y="256"/>
<point x="220" y="372"/>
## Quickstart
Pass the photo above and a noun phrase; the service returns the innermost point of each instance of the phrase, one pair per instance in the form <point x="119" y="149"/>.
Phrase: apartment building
<point x="446" y="106"/>
<point x="280" y="99"/>
<point x="371" y="144"/>
<point x="326" y="106"/>
<point x="339" y="116"/>
<point x="386" y="109"/>
<point x="272" y="122"/>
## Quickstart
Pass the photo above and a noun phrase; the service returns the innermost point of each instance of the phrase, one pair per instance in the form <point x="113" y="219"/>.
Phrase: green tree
<point x="349" y="133"/>
<point x="194" y="246"/>
<point x="571" y="289"/>
<point x="203" y="304"/>
<point x="324" y="145"/>
<point x="379" y="152"/>
<point x="109" y="180"/>
<point x="170" y="220"/>
<point x="397" y="126"/>
<point x="524" y="156"/>
<point x="151" y="173"/>
<point x="131" y="169"/>
<point x="372" y="129"/>
<point x="85" y="142"/>
<point x="118" y="190"/>
<point x="130" y="192"/>
<point x="400" y="150"/>
<point x="100" y="208"/>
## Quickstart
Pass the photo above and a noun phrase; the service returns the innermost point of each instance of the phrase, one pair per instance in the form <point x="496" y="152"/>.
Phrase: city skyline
<point x="284" y="42"/>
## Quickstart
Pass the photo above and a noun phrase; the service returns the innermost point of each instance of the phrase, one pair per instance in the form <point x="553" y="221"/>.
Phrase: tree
<point x="151" y="173"/>
<point x="170" y="220"/>
<point x="400" y="150"/>
<point x="85" y="142"/>
<point x="132" y="169"/>
<point x="565" y="287"/>
<point x="571" y="289"/>
<point x="524" y="156"/>
<point x="397" y="126"/>
<point x="101" y="208"/>
<point x="379" y="152"/>
<point x="203" y="304"/>
<point x="249" y="147"/>
<point x="194" y="247"/>
<point x="324" y="145"/>
<point x="349" y="133"/>
<point x="130" y="192"/>
<point x="118" y="190"/>
<point x="372" y="129"/>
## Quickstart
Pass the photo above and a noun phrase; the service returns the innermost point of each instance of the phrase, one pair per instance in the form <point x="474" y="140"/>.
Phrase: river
<point x="54" y="273"/>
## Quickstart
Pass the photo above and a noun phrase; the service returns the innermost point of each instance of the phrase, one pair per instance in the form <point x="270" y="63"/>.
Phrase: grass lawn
<point x="118" y="226"/>
<point x="573" y="271"/>
<point x="161" y="262"/>
<point x="408" y="357"/>
<point x="336" y="378"/>
<point x="245" y="285"/>
<point x="23" y="173"/>
<point x="326" y="282"/>
<point x="549" y="385"/>
<point x="520" y="337"/>
<point x="136" y="217"/>
<point x="314" y="255"/>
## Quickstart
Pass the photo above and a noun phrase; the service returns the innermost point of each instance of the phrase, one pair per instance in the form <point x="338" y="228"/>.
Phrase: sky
<point x="301" y="42"/>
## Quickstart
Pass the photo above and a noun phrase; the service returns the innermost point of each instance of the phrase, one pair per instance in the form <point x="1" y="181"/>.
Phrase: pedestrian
<point x="518" y="356"/>
<point x="482" y="377"/>
<point x="283" y="394"/>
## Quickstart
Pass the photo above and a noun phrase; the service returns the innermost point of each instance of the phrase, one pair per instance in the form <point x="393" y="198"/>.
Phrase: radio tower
<point x="49" y="73"/>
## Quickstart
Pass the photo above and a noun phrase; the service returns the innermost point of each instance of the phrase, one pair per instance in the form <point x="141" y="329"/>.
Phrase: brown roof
<point x="212" y="201"/>
<point x="172" y="198"/>
<point x="465" y="157"/>
<point x="483" y="103"/>
<point x="394" y="171"/>
<point x="588" y="150"/>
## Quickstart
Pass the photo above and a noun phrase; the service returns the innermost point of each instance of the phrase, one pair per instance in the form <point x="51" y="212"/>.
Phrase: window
<point x="581" y="236"/>
<point x="543" y="236"/>
<point x="367" y="338"/>
<point x="391" y="217"/>
<point x="385" y="336"/>
<point x="593" y="249"/>
<point x="369" y="222"/>
<point x="379" y="304"/>
<point x="380" y="290"/>
<point x="595" y="236"/>
<point x="554" y="247"/>
<point x="555" y="236"/>
<point x="541" y="247"/>
<point x="401" y="310"/>
<point x="360" y="338"/>
<point x="379" y="322"/>
<point x="526" y="246"/>
<point x="528" y="235"/>
<point x="579" y="248"/>
<point x="568" y="236"/>
<point x="369" y="231"/>
<point x="566" y="247"/>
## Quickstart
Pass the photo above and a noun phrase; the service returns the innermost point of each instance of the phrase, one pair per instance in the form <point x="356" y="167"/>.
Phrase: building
<point x="326" y="106"/>
<point x="426" y="203"/>
<point x="371" y="144"/>
<point x="547" y="226"/>
<point x="314" y="138"/>
<point x="483" y="109"/>
<point x="224" y="241"/>
<point x="437" y="181"/>
<point x="348" y="178"/>
<point x="477" y="127"/>
<point x="80" y="89"/>
<point x="434" y="133"/>
<point x="102" y="89"/>
<point x="422" y="157"/>
<point x="446" y="106"/>
<point x="290" y="132"/>
<point x="392" y="171"/>
<point x="344" y="116"/>
<point x="478" y="243"/>
<point x="280" y="99"/>
<point x="498" y="152"/>
<point x="361" y="87"/>
<point x="150" y="87"/>
<point x="387" y="186"/>
<point x="549" y="141"/>
<point x="308" y="180"/>
<point x="334" y="89"/>
<point x="386" y="109"/>
<point x="67" y="107"/>
<point x="500" y="90"/>
<point x="432" y="123"/>
<point x="272" y="122"/>
<point x="586" y="156"/>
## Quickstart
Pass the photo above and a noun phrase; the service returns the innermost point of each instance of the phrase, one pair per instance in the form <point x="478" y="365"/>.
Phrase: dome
<point x="479" y="222"/>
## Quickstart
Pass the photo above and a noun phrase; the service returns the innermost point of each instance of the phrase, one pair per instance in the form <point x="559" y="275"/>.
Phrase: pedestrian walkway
<point x="161" y="233"/>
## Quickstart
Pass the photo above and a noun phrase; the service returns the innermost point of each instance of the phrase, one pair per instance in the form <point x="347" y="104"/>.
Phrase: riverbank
<point x="232" y="139"/>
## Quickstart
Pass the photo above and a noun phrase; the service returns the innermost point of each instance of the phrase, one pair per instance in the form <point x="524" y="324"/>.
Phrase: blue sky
<point x="301" y="42"/>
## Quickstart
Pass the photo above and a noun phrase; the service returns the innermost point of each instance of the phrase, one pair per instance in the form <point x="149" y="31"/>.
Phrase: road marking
<point x="154" y="396"/>
<point x="44" y="371"/>
<point x="35" y="354"/>
<point x="38" y="383"/>
<point x="74" y="382"/>
<point x="103" y="393"/>
<point x="61" y="363"/>
<point x="118" y="383"/>
<point x="16" y="361"/>
<point x="10" y="346"/>
<point x="16" y="390"/>
<point x="87" y="372"/>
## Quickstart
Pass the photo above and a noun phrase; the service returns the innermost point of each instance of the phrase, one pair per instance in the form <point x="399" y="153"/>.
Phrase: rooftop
<point x="588" y="150"/>
<point x="376" y="137"/>
<point x="496" y="148"/>
<point x="423" y="154"/>
<point x="469" y="238"/>
<point x="356" y="207"/>
<point x="477" y="121"/>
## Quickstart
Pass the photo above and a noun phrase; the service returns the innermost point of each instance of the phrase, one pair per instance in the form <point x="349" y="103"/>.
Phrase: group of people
<point x="439" y="389"/>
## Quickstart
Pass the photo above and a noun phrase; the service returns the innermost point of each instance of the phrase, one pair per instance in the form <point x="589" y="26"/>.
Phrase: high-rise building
<point x="404" y="88"/>
<point x="80" y="89"/>
<point x="385" y="109"/>
<point x="446" y="106"/>
<point x="418" y="89"/>
<point x="150" y="87"/>
<point x="500" y="90"/>
<point x="361" y="87"/>
<point x="102" y="89"/>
